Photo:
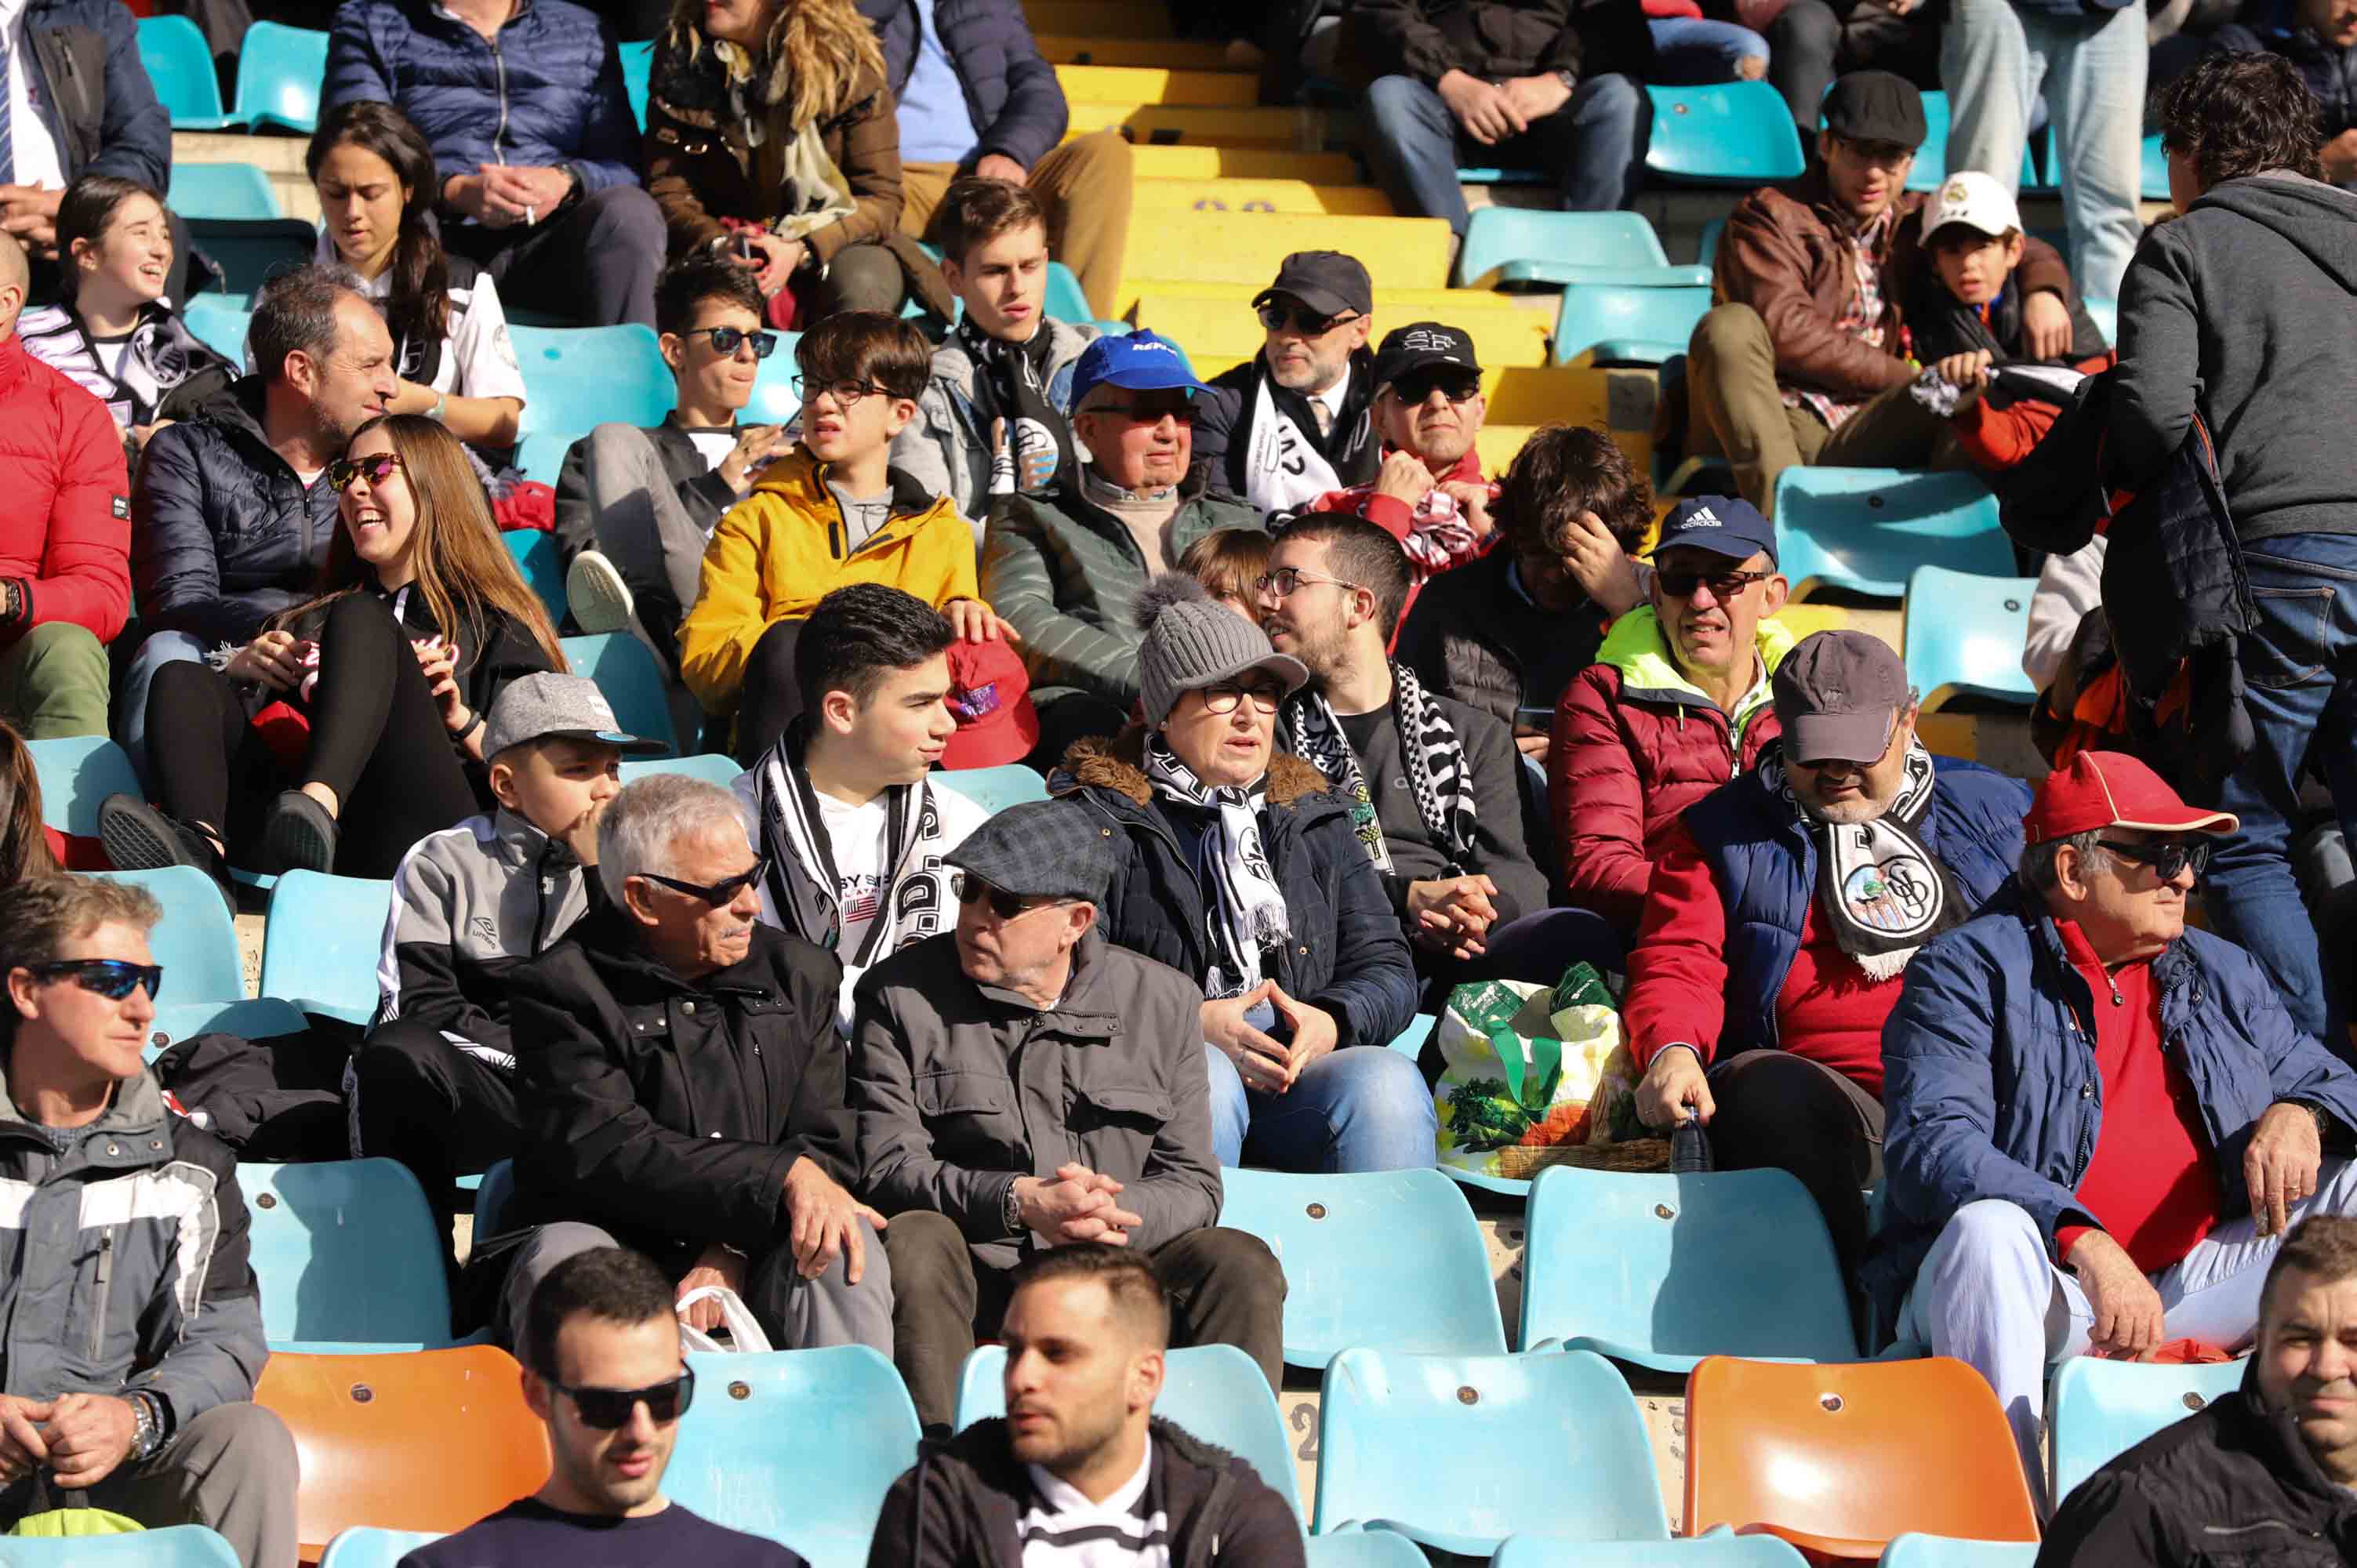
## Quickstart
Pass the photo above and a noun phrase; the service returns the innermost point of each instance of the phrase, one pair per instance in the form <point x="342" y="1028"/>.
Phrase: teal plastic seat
<point x="250" y="251"/>
<point x="1521" y="247"/>
<point x="1714" y="1548"/>
<point x="1409" y="1042"/>
<point x="1215" y="1393"/>
<point x="1621" y="324"/>
<point x="2155" y="170"/>
<point x="180" y="67"/>
<point x="1065" y="300"/>
<point x="1706" y="244"/>
<point x="796" y="1445"/>
<point x="627" y="674"/>
<point x="364" y="1546"/>
<point x="346" y="1251"/>
<point x="495" y="1199"/>
<point x="180" y="1546"/>
<point x="540" y="454"/>
<point x="1389" y="1259"/>
<point x="2102" y="1408"/>
<point x="637" y="69"/>
<point x="2106" y="313"/>
<point x="1440" y="1449"/>
<point x="994" y="788"/>
<point x="1658" y="1271"/>
<point x="1963" y="635"/>
<point x="77" y="772"/>
<point x="1730" y="132"/>
<point x="254" y="1018"/>
<point x="195" y="942"/>
<point x="1930" y="165"/>
<point x="320" y="947"/>
<point x="712" y="767"/>
<point x="1915" y="1551"/>
<point x="222" y="190"/>
<point x="775" y="402"/>
<point x="219" y="325"/>
<point x="1866" y="529"/>
<point x="536" y="556"/>
<point x="576" y="378"/>
<point x="279" y="70"/>
<point x="1363" y="1548"/>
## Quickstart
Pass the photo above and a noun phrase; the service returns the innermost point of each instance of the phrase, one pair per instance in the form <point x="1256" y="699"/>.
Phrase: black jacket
<point x="1011" y="93"/>
<point x="2232" y="1485"/>
<point x="2331" y="74"/>
<point x="1474" y="637"/>
<point x="1943" y="326"/>
<point x="1223" y="426"/>
<point x="961" y="1504"/>
<point x="223" y="535"/>
<point x="666" y="1111"/>
<point x="1428" y="38"/>
<point x="94" y="92"/>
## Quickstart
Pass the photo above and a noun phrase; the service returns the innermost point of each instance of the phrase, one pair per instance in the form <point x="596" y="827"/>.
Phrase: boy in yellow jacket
<point x="831" y="512"/>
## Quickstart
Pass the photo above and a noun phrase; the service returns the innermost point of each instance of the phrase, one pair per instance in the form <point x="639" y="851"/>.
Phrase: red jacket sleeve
<point x="1677" y="971"/>
<point x="86" y="557"/>
<point x="1599" y="805"/>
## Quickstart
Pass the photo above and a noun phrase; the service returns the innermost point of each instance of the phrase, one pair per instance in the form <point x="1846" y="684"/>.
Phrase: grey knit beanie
<point x="1193" y="642"/>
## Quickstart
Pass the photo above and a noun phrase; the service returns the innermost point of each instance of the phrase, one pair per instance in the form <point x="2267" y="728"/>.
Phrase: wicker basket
<point x="1518" y="1164"/>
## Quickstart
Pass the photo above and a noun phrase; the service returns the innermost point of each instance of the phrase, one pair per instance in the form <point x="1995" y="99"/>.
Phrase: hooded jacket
<point x="128" y="1267"/>
<point x="784" y="547"/>
<point x="947" y="447"/>
<point x="66" y="537"/>
<point x="2241" y="312"/>
<point x="961" y="1505"/>
<point x="1635" y="743"/>
<point x="1011" y="92"/>
<point x="1473" y="635"/>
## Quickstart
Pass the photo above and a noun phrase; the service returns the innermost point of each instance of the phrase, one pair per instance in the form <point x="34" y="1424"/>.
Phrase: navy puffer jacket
<point x="96" y="98"/>
<point x="1010" y="90"/>
<point x="547" y="93"/>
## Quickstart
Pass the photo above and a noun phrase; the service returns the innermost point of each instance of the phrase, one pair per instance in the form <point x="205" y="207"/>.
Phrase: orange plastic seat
<point x="428" y="1440"/>
<point x="1839" y="1459"/>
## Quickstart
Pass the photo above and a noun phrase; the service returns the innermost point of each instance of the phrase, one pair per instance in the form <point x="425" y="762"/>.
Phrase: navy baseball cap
<point x="1724" y="525"/>
<point x="1141" y="361"/>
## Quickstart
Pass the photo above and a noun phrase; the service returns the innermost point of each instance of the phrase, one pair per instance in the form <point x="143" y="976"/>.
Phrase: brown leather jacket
<point x="1787" y="254"/>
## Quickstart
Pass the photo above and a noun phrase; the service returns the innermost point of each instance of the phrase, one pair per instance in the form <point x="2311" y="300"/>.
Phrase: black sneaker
<point x="138" y="837"/>
<point x="300" y="834"/>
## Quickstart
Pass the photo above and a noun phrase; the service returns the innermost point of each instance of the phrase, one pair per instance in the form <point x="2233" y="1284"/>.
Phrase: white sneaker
<point x="594" y="591"/>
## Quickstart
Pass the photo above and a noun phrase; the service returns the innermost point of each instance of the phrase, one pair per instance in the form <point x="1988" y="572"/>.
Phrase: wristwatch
<point x="147" y="1428"/>
<point x="1570" y="79"/>
<point x="1011" y="1211"/>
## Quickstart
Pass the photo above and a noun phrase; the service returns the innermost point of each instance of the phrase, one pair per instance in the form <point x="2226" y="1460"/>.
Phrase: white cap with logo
<point x="1975" y="200"/>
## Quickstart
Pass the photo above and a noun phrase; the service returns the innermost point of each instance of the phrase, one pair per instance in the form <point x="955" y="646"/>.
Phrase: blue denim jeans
<point x="1365" y="1108"/>
<point x="2300" y="676"/>
<point x="1693" y="51"/>
<point x="1594" y="147"/>
<point x="131" y="710"/>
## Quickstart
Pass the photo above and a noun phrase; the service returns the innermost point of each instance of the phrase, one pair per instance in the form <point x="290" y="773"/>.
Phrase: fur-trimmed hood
<point x="1119" y="765"/>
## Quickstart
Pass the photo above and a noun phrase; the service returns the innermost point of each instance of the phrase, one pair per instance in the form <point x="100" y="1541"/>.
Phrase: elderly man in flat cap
<point x="1020" y="1083"/>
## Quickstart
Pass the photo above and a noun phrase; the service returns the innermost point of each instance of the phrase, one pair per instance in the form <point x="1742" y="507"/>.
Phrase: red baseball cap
<point x="990" y="694"/>
<point x="2113" y="790"/>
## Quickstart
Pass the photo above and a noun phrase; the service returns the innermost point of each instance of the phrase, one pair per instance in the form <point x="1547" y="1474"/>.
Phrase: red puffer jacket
<point x="1635" y="743"/>
<point x="65" y="534"/>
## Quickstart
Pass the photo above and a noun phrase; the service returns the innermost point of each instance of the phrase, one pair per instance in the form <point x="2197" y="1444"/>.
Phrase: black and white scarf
<point x="802" y="883"/>
<point x="1245" y="912"/>
<point x="1437" y="770"/>
<point x="1039" y="450"/>
<point x="1884" y="893"/>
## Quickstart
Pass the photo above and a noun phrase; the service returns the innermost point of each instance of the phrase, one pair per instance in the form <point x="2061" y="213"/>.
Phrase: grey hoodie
<point x="946" y="448"/>
<point x="2244" y="310"/>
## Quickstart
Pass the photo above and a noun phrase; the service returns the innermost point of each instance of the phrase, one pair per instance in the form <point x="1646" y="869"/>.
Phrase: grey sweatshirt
<point x="2242" y="310"/>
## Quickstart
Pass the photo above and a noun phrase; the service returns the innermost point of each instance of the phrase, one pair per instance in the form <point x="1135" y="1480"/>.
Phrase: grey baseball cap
<point x="1837" y="695"/>
<point x="533" y="707"/>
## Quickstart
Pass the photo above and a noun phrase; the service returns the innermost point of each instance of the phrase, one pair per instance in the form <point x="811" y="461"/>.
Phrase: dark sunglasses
<point x="376" y="467"/>
<point x="112" y="978"/>
<point x="2167" y="859"/>
<point x="1005" y="905"/>
<point x="727" y="339"/>
<point x="1416" y="389"/>
<point x="1723" y="584"/>
<point x="1275" y="317"/>
<point x="719" y="894"/>
<point x="1145" y="415"/>
<point x="607" y="1408"/>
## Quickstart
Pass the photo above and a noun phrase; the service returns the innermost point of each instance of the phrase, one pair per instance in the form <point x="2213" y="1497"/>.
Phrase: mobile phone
<point x="745" y="248"/>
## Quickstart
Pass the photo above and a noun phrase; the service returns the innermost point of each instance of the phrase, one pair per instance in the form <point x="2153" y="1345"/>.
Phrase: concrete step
<point x="1263" y="196"/>
<point x="1174" y="54"/>
<point x="1246" y="248"/>
<point x="1203" y="161"/>
<point x="1158" y="84"/>
<point x="1164" y="125"/>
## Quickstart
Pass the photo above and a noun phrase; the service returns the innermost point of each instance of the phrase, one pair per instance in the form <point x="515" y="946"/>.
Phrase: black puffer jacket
<point x="667" y="1110"/>
<point x="1010" y="91"/>
<point x="224" y="534"/>
<point x="1474" y="636"/>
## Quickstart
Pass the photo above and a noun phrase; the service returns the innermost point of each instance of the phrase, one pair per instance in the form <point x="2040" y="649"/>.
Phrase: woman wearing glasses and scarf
<point x="1243" y="871"/>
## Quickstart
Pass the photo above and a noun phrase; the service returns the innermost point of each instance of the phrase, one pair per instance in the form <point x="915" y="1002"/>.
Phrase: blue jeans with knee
<point x="160" y="649"/>
<point x="1365" y="1108"/>
<point x="1594" y="147"/>
<point x="2300" y="676"/>
<point x="1693" y="51"/>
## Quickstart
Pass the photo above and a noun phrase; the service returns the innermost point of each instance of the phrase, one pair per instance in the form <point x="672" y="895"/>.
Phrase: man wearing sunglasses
<point x="1292" y="424"/>
<point x="136" y="1331"/>
<point x="2102" y="1120"/>
<point x="602" y="1369"/>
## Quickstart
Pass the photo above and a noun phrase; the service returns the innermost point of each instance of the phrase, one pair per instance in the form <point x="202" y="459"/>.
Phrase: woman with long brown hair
<point x="421" y="620"/>
<point x="25" y="847"/>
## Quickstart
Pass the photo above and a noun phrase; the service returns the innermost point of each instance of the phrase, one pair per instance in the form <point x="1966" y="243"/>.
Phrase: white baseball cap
<point x="1975" y="200"/>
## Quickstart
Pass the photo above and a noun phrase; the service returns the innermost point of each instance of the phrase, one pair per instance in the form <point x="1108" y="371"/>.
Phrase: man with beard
<point x="1784" y="909"/>
<point x="1293" y="424"/>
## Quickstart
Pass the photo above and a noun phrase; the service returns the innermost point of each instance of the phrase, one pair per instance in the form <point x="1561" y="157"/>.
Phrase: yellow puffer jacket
<point x="780" y="550"/>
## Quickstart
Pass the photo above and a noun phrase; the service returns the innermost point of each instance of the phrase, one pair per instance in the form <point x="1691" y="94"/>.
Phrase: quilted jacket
<point x="66" y="535"/>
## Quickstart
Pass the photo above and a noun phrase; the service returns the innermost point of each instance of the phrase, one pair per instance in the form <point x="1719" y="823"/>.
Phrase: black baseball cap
<point x="1724" y="525"/>
<point x="1327" y="281"/>
<point x="1876" y="106"/>
<point x="1420" y="346"/>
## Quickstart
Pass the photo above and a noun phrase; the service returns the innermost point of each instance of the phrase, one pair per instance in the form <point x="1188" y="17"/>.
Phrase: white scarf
<point x="1284" y="470"/>
<point x="916" y="901"/>
<point x="1882" y="890"/>
<point x="1246" y="910"/>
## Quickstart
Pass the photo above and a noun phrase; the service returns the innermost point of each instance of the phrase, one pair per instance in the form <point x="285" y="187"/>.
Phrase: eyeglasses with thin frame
<point x="1723" y="584"/>
<point x="1416" y="389"/>
<point x="719" y="894"/>
<point x="846" y="395"/>
<point x="1006" y="906"/>
<point x="376" y="467"/>
<point x="1275" y="317"/>
<point x="1229" y="695"/>
<point x="2169" y="857"/>
<point x="725" y="340"/>
<point x="1286" y="582"/>
<point x="606" y="1410"/>
<point x="112" y="978"/>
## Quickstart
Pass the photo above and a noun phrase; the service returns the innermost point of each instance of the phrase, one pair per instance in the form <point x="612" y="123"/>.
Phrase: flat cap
<point x="1041" y="849"/>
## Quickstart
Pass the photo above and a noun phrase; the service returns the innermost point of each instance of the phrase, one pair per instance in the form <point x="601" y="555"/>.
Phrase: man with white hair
<point x="684" y="1090"/>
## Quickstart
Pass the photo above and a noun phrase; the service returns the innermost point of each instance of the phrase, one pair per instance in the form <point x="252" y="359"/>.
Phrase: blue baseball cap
<point x="1142" y="361"/>
<point x="1724" y="525"/>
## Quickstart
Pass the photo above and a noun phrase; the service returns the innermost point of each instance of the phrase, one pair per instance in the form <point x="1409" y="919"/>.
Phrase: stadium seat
<point x="222" y="190"/>
<point x="637" y="68"/>
<point x="1410" y="1041"/>
<point x="77" y="772"/>
<point x="1839" y="1460"/>
<point x="363" y="1546"/>
<point x="1522" y="247"/>
<point x="1363" y="1548"/>
<point x="796" y="1445"/>
<point x="995" y="788"/>
<point x="2106" y="314"/>
<point x="346" y="1251"/>
<point x="320" y="946"/>
<point x="1441" y="1449"/>
<point x="712" y="767"/>
<point x="1730" y="133"/>
<point x="495" y="1198"/>
<point x="2155" y="171"/>
<point x="578" y="377"/>
<point x="541" y="563"/>
<point x="180" y="66"/>
<point x="219" y="325"/>
<point x="195" y="942"/>
<point x="429" y="1440"/>
<point x="1389" y="1259"/>
<point x="1967" y="640"/>
<point x="279" y="70"/>
<point x="1718" y="1550"/>
<point x="1215" y="1393"/>
<point x="540" y="454"/>
<point x="1619" y="324"/>
<point x="180" y="1546"/>
<point x="1914" y="1551"/>
<point x="1661" y="1271"/>
<point x="1931" y="166"/>
<point x="2099" y="1410"/>
<point x="775" y="402"/>
<point x="1064" y="300"/>
<point x="249" y="252"/>
<point x="255" y="1018"/>
<point x="627" y="674"/>
<point x="1865" y="529"/>
<point x="1706" y="243"/>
